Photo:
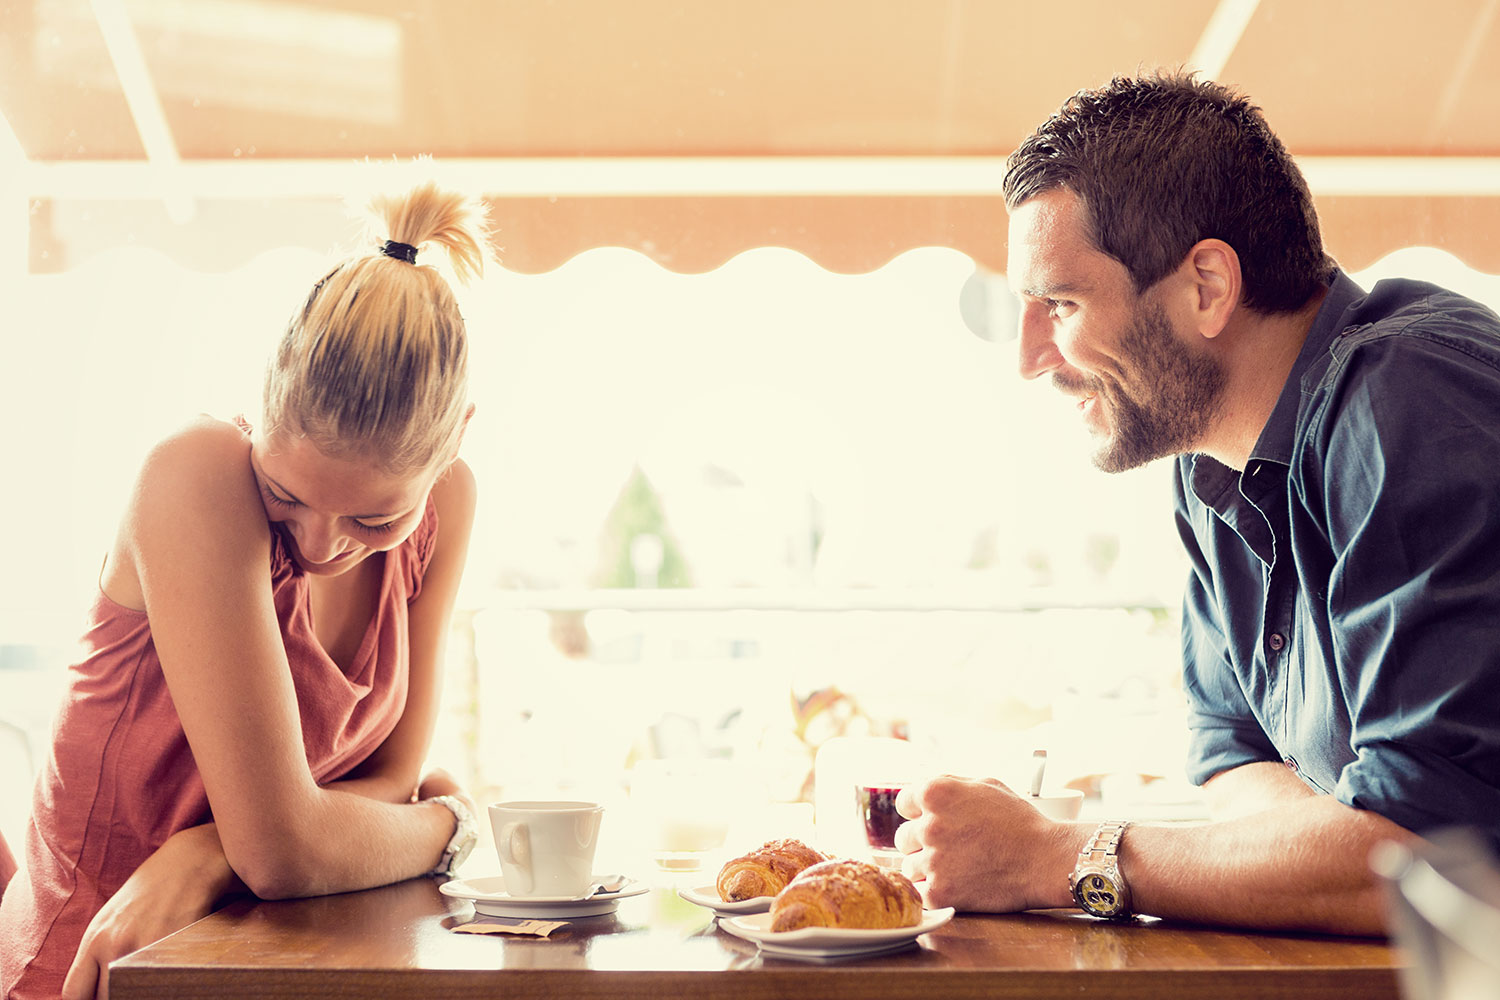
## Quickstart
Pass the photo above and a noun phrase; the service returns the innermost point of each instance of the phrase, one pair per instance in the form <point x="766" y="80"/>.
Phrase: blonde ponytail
<point x="375" y="364"/>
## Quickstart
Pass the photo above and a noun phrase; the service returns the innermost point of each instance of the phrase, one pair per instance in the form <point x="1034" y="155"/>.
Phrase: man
<point x="1338" y="462"/>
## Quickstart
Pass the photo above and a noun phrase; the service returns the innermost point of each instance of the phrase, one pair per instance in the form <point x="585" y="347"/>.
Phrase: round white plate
<point x="708" y="896"/>
<point x="830" y="942"/>
<point x="490" y="898"/>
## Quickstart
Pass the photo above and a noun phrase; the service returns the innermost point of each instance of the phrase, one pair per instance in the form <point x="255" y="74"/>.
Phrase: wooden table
<point x="397" y="942"/>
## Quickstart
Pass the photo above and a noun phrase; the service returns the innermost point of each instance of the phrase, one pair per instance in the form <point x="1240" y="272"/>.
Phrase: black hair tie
<point x="400" y="251"/>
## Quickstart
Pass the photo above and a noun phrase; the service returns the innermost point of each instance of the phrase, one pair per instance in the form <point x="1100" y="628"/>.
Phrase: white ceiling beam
<point x="1475" y="41"/>
<point x="533" y="176"/>
<point x="1221" y="36"/>
<point x="141" y="97"/>
<point x="12" y="155"/>
<point x="15" y="213"/>
<point x="919" y="176"/>
<point x="1398" y="176"/>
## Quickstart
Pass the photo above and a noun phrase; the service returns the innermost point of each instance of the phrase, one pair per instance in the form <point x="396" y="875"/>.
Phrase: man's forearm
<point x="1252" y="788"/>
<point x="1300" y="865"/>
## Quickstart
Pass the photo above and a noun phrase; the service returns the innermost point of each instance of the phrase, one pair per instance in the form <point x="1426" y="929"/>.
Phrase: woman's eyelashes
<point x="276" y="500"/>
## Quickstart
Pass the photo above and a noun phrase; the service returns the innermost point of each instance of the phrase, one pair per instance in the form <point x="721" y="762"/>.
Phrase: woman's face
<point x="334" y="512"/>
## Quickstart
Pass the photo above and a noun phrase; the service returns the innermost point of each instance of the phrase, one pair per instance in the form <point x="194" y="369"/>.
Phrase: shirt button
<point x="1291" y="764"/>
<point x="1277" y="641"/>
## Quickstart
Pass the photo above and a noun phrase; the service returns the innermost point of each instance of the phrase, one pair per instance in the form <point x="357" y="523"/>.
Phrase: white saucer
<point x="708" y="896"/>
<point x="830" y="942"/>
<point x="490" y="898"/>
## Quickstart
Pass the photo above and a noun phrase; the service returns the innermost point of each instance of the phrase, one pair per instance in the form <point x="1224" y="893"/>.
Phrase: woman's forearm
<point x="198" y="849"/>
<point x="343" y="840"/>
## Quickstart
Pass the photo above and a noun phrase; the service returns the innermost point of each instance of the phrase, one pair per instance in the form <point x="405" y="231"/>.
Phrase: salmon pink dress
<point x="121" y="778"/>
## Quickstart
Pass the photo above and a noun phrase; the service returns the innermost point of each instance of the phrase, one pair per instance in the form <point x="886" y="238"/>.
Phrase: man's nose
<point x="1038" y="352"/>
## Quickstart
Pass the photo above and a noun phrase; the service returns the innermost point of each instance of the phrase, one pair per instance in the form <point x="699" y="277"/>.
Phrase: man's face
<point x="1146" y="390"/>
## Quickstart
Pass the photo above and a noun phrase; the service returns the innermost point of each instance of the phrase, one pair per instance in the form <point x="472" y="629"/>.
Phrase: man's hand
<point x="976" y="845"/>
<point x="181" y="882"/>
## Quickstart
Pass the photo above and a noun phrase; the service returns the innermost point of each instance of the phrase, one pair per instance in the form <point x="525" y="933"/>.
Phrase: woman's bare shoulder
<point x="195" y="496"/>
<point x="455" y="492"/>
<point x="201" y="473"/>
<point x="204" y="445"/>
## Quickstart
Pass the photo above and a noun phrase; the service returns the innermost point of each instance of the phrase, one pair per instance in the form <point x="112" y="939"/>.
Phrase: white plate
<point x="830" y="942"/>
<point x="490" y="898"/>
<point x="707" y="895"/>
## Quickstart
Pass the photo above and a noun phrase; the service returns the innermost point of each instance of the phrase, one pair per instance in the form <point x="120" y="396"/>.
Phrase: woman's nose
<point x="319" y="539"/>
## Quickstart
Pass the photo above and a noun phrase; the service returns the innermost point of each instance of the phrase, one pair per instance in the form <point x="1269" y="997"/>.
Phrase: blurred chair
<point x="1445" y="914"/>
<point x="16" y="768"/>
<point x="7" y="865"/>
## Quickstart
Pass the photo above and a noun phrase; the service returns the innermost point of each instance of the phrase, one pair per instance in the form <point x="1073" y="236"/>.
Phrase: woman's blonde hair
<point x="375" y="363"/>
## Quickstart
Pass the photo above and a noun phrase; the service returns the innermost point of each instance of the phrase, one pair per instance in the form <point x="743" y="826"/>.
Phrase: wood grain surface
<point x="398" y="941"/>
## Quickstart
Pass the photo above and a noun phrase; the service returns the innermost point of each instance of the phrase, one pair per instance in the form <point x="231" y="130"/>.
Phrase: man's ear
<point x="1211" y="271"/>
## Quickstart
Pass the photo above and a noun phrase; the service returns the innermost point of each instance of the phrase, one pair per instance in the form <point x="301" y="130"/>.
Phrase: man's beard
<point x="1167" y="399"/>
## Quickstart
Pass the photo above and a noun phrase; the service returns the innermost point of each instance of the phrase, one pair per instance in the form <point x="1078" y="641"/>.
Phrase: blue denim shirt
<point x="1342" y="614"/>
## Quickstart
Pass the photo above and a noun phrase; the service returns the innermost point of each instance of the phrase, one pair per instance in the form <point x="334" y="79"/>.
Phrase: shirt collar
<point x="1275" y="441"/>
<point x="1223" y="489"/>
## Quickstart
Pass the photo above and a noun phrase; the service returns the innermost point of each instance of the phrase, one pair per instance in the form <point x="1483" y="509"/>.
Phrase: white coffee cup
<point x="546" y="848"/>
<point x="1064" y="804"/>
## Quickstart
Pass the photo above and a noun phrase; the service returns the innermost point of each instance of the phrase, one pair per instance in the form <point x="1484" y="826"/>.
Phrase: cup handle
<point x="514" y="842"/>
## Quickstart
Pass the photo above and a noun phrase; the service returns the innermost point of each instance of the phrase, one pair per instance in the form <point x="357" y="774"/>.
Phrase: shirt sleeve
<point x="1405" y="476"/>
<point x="1223" y="732"/>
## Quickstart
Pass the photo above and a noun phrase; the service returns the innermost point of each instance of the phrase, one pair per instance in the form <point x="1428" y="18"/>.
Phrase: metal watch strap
<point x="1102" y="851"/>
<point x="1108" y="834"/>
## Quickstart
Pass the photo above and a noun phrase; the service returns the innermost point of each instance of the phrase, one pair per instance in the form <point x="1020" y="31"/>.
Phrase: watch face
<point x="1098" y="894"/>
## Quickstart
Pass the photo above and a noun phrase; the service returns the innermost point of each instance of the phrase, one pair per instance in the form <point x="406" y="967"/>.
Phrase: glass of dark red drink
<point x="875" y="803"/>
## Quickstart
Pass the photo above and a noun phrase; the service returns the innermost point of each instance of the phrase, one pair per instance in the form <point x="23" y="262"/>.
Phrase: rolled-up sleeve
<point x="1408" y="488"/>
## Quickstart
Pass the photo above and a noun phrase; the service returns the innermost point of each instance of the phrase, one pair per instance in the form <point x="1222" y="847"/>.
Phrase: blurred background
<point x="756" y="469"/>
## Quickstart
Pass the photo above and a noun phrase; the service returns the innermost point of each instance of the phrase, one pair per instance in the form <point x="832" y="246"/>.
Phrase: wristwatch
<point x="1096" y="883"/>
<point x="465" y="834"/>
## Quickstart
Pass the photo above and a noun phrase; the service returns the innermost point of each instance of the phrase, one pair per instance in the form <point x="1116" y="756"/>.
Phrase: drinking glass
<point x="875" y="804"/>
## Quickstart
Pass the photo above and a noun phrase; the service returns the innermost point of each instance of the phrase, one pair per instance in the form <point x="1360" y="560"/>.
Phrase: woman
<point x="261" y="667"/>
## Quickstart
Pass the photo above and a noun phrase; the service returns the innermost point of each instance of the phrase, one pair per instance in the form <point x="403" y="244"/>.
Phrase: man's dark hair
<point x="1165" y="160"/>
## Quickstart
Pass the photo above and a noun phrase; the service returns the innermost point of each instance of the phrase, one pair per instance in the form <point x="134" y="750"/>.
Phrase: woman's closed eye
<point x="276" y="500"/>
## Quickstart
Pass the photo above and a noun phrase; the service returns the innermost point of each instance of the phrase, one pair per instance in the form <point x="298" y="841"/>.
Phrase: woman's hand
<point x="439" y="782"/>
<point x="181" y="882"/>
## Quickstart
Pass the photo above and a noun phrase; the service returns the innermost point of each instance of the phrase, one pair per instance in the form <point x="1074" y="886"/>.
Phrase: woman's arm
<point x="394" y="769"/>
<point x="185" y="879"/>
<point x="198" y="543"/>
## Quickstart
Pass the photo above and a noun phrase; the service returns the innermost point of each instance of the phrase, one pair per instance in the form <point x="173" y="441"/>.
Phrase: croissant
<point x="766" y="870"/>
<point x="847" y="894"/>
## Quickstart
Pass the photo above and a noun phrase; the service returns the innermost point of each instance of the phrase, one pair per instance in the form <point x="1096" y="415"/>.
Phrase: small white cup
<point x="546" y="848"/>
<point x="682" y="808"/>
<point x="1064" y="805"/>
